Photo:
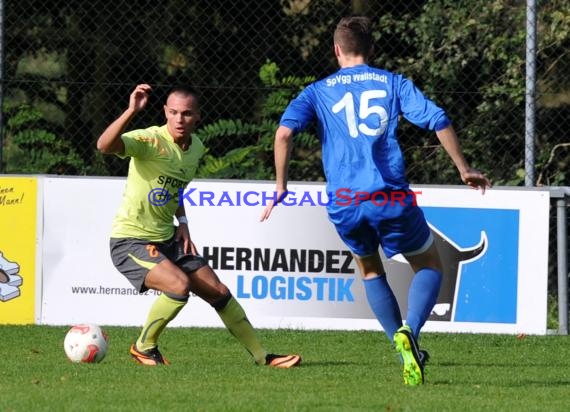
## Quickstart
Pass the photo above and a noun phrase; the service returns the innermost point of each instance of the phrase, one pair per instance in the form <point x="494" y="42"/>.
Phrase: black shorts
<point x="134" y="258"/>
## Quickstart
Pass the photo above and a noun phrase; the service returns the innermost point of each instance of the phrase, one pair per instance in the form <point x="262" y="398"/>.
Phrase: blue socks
<point x="422" y="296"/>
<point x="384" y="304"/>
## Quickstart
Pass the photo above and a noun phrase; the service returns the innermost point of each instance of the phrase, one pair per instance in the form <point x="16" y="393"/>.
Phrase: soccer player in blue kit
<point x="357" y="110"/>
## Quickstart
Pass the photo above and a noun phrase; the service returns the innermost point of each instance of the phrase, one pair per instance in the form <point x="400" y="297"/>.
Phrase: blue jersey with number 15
<point x="357" y="111"/>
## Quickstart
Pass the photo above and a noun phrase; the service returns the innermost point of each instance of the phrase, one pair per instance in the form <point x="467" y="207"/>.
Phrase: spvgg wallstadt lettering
<point x="279" y="287"/>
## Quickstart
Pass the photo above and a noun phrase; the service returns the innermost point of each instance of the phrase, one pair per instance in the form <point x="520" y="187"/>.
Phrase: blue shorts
<point x="365" y="227"/>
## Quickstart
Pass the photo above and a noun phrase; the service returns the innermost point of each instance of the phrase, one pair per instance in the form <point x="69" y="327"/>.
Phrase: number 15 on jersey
<point x="366" y="109"/>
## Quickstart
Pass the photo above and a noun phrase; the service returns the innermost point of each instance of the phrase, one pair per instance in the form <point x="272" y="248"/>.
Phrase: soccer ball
<point x="85" y="343"/>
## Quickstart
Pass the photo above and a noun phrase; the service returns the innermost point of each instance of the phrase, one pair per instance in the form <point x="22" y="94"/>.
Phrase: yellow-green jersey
<point x="159" y="170"/>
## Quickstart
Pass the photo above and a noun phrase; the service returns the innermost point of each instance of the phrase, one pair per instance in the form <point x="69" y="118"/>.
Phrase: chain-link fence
<point x="69" y="67"/>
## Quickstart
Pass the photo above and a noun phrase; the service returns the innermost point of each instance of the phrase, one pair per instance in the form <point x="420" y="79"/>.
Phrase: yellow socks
<point x="237" y="323"/>
<point x="163" y="310"/>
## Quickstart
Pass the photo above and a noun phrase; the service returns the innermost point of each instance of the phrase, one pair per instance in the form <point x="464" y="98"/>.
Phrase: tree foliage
<point x="469" y="56"/>
<point x="255" y="161"/>
<point x="76" y="62"/>
<point x="36" y="147"/>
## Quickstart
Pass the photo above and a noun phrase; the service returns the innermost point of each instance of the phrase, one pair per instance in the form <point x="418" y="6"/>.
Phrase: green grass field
<point x="341" y="371"/>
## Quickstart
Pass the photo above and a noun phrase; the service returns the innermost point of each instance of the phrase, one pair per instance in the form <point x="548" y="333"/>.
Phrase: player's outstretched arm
<point x="282" y="152"/>
<point x="110" y="141"/>
<point x="469" y="176"/>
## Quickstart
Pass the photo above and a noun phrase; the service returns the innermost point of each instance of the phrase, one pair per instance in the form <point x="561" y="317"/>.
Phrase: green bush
<point x="34" y="147"/>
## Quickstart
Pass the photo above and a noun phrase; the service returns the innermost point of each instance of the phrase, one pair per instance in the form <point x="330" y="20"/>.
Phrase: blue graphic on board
<point x="486" y="284"/>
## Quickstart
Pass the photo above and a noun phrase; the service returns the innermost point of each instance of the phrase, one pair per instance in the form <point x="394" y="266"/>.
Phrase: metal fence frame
<point x="560" y="197"/>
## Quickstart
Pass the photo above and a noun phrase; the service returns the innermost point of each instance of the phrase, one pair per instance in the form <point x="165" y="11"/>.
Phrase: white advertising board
<point x="293" y="271"/>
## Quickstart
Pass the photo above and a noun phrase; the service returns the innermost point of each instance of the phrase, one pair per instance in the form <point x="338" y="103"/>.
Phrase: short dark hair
<point x="185" y="90"/>
<point x="354" y="35"/>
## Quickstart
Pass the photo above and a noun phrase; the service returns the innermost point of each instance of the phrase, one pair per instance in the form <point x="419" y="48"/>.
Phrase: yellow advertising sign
<point x="18" y="203"/>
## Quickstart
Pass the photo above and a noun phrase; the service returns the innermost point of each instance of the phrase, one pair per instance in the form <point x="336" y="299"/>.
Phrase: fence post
<point x="530" y="111"/>
<point x="562" y="252"/>
<point x="1" y="86"/>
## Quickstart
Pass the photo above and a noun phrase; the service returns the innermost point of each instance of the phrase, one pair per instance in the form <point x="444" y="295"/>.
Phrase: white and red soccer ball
<point x="85" y="343"/>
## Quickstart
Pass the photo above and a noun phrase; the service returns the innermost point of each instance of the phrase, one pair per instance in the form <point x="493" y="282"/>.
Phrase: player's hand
<point x="193" y="249"/>
<point x="139" y="97"/>
<point x="475" y="179"/>
<point x="281" y="194"/>
<point x="182" y="236"/>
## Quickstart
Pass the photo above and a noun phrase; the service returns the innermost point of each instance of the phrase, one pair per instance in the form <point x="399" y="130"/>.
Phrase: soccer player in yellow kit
<point x="146" y="246"/>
